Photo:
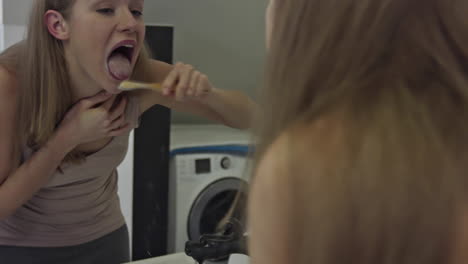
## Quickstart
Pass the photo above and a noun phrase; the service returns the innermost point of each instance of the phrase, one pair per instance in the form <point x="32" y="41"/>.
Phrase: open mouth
<point x="125" y="50"/>
<point x="119" y="62"/>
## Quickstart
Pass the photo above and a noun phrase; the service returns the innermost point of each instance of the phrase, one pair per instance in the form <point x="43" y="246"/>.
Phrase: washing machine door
<point x="213" y="205"/>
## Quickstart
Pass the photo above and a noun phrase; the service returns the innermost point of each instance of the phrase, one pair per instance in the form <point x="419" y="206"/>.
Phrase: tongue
<point x="119" y="66"/>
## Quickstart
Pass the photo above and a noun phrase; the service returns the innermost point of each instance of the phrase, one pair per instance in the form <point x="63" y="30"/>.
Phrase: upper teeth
<point x="128" y="46"/>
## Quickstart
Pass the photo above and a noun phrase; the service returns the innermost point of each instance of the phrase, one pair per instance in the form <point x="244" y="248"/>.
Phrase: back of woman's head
<point x="392" y="77"/>
<point x="335" y="51"/>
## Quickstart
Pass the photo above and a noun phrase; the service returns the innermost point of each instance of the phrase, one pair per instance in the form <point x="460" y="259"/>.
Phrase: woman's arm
<point x="17" y="185"/>
<point x="8" y="93"/>
<point x="189" y="91"/>
<point x="85" y="122"/>
<point x="21" y="183"/>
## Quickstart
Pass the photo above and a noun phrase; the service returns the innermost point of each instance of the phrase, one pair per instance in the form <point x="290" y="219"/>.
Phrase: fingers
<point x="119" y="110"/>
<point x="117" y="118"/>
<point x="203" y="85"/>
<point x="178" y="81"/>
<point x="185" y="73"/>
<point x="120" y="130"/>
<point x="184" y="81"/>
<point x="109" y="103"/>
<point x="117" y="124"/>
<point x="94" y="100"/>
<point x="192" y="90"/>
<point x="170" y="81"/>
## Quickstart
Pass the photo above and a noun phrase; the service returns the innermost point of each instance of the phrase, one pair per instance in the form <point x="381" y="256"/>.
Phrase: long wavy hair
<point x="391" y="76"/>
<point x="40" y="66"/>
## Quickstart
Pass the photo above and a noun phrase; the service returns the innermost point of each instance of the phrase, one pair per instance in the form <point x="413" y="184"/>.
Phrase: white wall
<point x="11" y="34"/>
<point x="13" y="17"/>
<point x="126" y="187"/>
<point x="16" y="12"/>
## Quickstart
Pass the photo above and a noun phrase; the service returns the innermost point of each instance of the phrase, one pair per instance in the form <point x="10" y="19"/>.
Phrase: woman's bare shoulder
<point x="289" y="161"/>
<point x="319" y="139"/>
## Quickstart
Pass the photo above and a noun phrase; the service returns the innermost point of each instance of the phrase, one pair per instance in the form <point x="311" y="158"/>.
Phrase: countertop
<point x="181" y="258"/>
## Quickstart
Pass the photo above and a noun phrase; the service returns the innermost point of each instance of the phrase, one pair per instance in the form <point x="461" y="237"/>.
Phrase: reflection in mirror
<point x="86" y="166"/>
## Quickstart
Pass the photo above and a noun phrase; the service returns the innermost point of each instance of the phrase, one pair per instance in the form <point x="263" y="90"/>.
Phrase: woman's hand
<point x="184" y="82"/>
<point x="94" y="118"/>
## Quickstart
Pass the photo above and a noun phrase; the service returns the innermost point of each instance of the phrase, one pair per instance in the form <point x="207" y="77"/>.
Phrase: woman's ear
<point x="56" y="25"/>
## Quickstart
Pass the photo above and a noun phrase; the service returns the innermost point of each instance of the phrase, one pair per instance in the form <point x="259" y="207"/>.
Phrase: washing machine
<point x="208" y="171"/>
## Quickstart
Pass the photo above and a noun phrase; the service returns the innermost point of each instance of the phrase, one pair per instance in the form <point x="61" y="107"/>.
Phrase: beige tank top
<point x="76" y="206"/>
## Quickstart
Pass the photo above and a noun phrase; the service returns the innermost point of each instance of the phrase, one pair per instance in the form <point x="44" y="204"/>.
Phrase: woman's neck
<point x="82" y="85"/>
<point x="82" y="88"/>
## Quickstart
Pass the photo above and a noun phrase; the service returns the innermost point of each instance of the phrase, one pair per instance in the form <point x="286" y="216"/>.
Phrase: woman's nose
<point x="127" y="21"/>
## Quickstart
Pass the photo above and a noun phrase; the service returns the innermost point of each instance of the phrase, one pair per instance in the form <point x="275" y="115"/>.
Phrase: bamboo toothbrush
<point x="130" y="85"/>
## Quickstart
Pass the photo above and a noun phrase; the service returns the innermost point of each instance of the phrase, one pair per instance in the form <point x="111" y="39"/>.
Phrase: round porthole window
<point x="213" y="204"/>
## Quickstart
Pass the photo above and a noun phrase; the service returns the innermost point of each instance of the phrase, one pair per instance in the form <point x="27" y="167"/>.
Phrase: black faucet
<point x="218" y="247"/>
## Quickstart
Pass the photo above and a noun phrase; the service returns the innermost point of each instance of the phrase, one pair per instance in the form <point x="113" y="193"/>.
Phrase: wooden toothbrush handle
<point x="156" y="87"/>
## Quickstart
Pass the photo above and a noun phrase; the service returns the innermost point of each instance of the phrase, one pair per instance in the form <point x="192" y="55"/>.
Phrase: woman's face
<point x="105" y="38"/>
<point x="269" y="21"/>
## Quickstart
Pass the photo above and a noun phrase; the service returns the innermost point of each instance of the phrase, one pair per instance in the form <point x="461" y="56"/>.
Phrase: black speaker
<point x="151" y="163"/>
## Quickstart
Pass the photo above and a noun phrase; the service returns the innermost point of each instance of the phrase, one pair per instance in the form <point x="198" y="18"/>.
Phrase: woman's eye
<point x="106" y="11"/>
<point x="137" y="13"/>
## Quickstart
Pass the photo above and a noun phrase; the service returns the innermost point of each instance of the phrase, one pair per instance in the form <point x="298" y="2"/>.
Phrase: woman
<point x="65" y="127"/>
<point x="365" y="161"/>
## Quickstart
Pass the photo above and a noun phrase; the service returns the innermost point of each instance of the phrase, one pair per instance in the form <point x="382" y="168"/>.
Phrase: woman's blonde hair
<point x="40" y="66"/>
<point x="389" y="78"/>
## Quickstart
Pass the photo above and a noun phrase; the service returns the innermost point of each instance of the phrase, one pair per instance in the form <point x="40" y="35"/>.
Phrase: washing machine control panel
<point x="207" y="165"/>
<point x="197" y="165"/>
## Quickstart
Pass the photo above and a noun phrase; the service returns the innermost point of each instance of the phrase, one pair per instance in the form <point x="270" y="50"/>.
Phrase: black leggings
<point x="109" y="249"/>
